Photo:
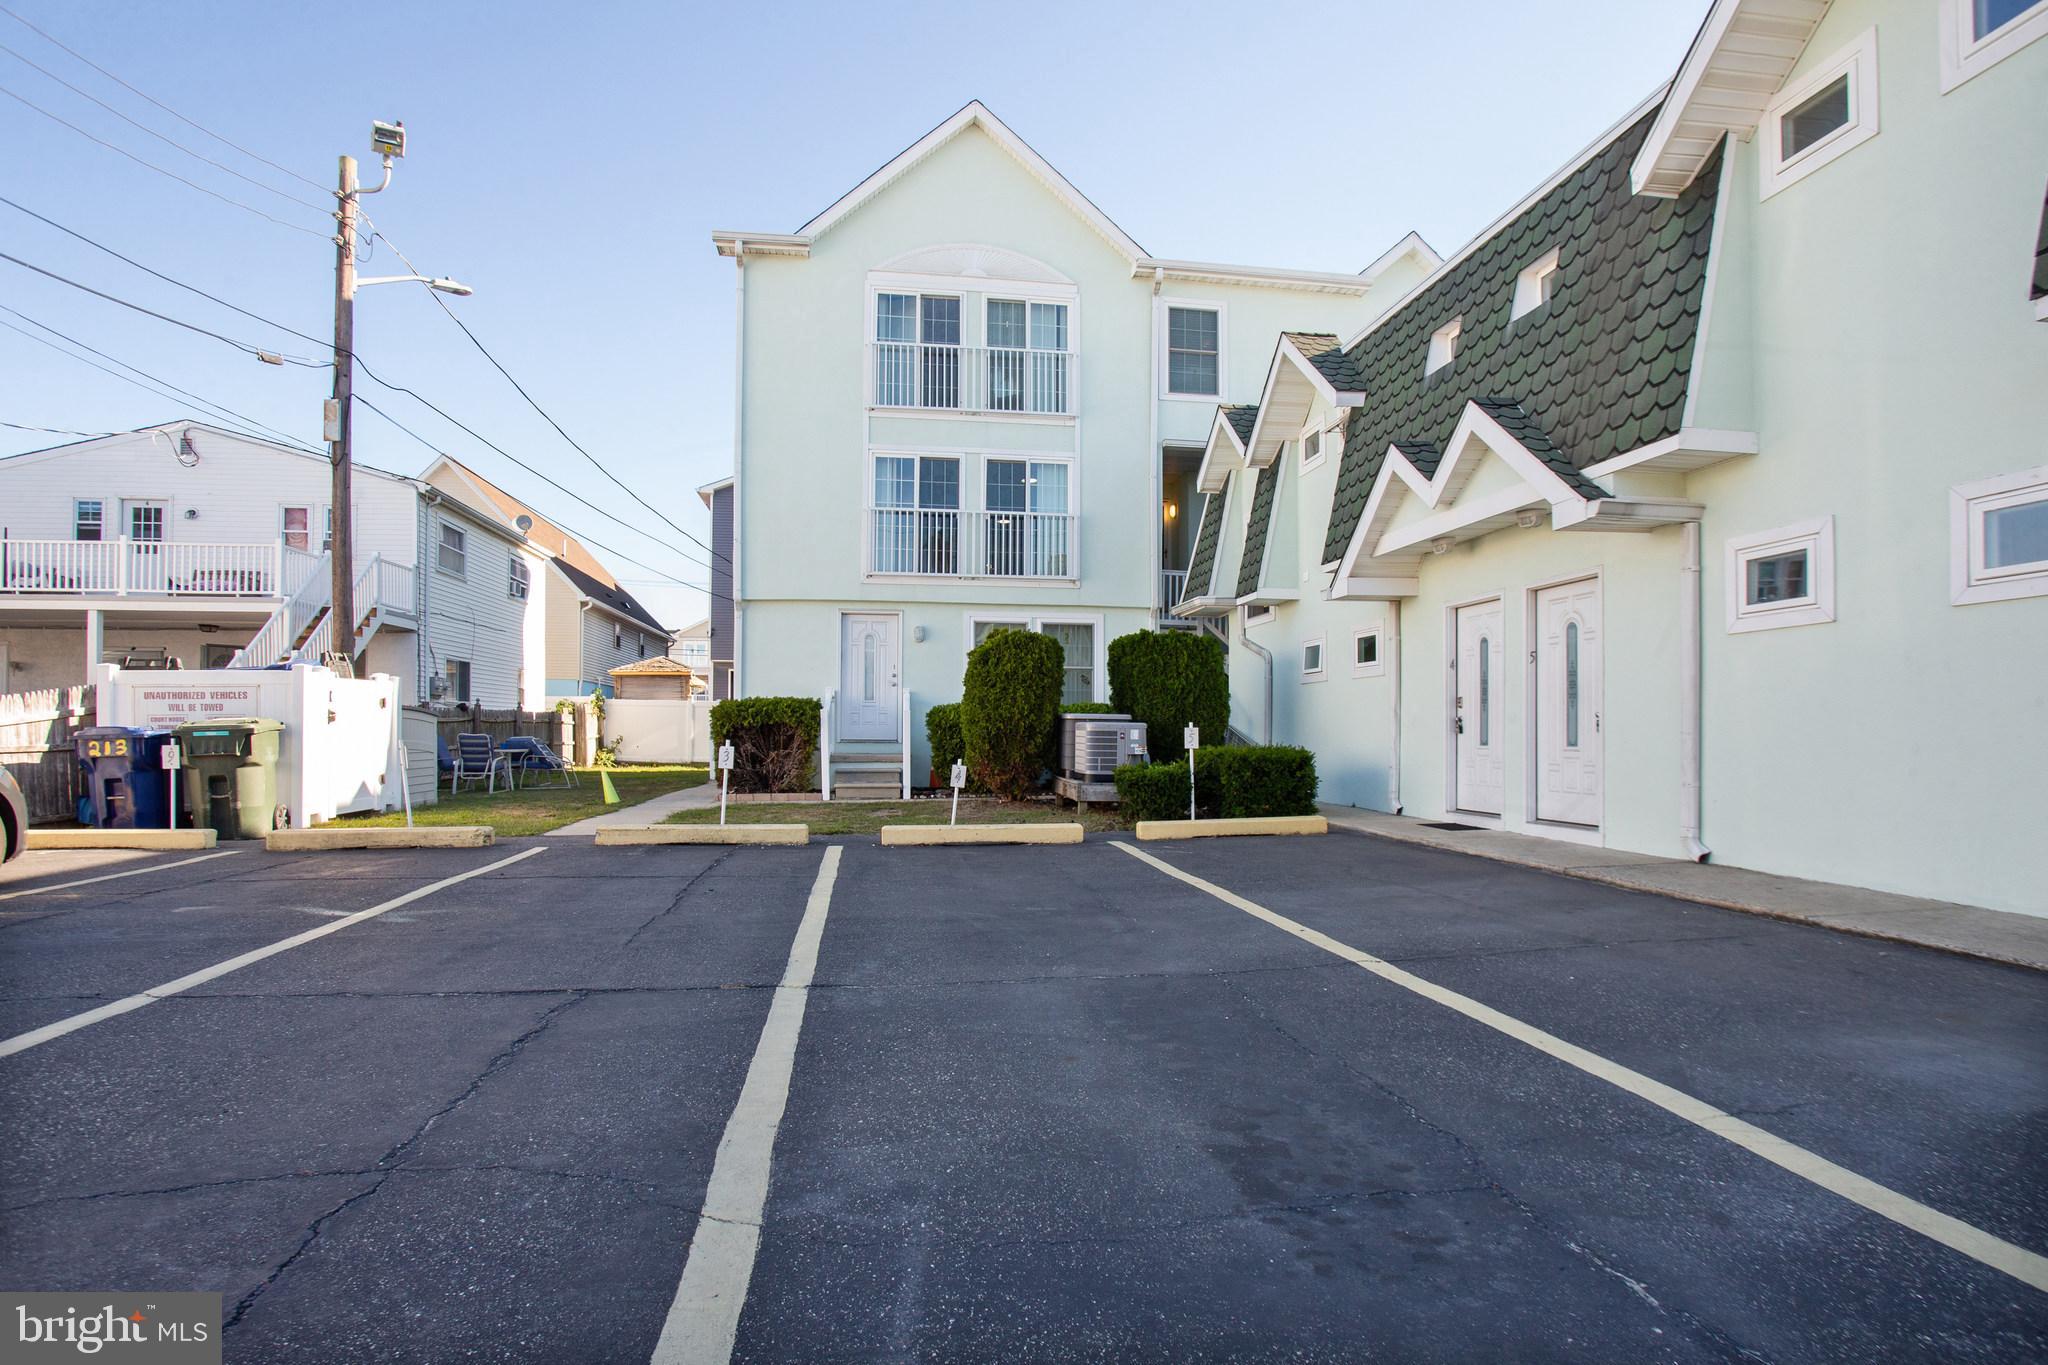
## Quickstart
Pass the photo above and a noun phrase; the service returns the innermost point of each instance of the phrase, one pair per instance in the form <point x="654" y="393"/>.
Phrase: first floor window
<point x="1194" y="346"/>
<point x="88" y="519"/>
<point x="1258" y="612"/>
<point x="520" y="582"/>
<point x="452" y="553"/>
<point x="1782" y="578"/>
<point x="1998" y="533"/>
<point x="456" y="671"/>
<point x="916" y="514"/>
<point x="1077" y="647"/>
<point x="1312" y="660"/>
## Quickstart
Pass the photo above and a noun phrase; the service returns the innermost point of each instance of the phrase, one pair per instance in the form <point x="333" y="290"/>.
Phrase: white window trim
<point x="1035" y="622"/>
<point x="1257" y="614"/>
<point x="1859" y="62"/>
<point x="99" y="506"/>
<point x="441" y="527"/>
<point x="283" y="531"/>
<point x="1378" y="665"/>
<point x="1443" y="346"/>
<point x="1321" y="437"/>
<point x="973" y="503"/>
<point x="1322" y="669"/>
<point x="1969" y="581"/>
<point x="1817" y="538"/>
<point x="519" y="579"/>
<point x="1964" y="54"/>
<point x="1529" y="284"/>
<point x="1222" y="313"/>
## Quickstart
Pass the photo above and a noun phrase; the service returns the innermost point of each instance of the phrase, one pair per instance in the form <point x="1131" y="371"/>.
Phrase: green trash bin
<point x="231" y="774"/>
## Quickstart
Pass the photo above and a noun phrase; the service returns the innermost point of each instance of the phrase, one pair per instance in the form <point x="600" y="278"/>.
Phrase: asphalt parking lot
<point x="1329" y="1099"/>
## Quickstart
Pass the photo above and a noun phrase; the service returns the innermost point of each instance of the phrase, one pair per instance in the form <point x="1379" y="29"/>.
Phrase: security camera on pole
<point x="388" y="141"/>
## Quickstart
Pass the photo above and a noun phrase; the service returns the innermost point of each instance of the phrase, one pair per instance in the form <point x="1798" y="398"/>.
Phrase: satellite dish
<point x="523" y="522"/>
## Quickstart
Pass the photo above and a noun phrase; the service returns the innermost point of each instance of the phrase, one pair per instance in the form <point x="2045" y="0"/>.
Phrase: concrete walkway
<point x="1995" y="935"/>
<point x="651" y="812"/>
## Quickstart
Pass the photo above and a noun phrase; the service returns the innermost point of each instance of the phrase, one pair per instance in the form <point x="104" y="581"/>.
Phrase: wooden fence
<point x="544" y="726"/>
<point x="36" y="746"/>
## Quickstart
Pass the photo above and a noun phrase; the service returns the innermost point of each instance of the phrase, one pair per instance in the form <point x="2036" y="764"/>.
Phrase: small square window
<point x="1312" y="660"/>
<point x="1819" y="117"/>
<point x="1365" y="654"/>
<point x="1257" y="613"/>
<point x="1781" y="578"/>
<point x="1443" y="346"/>
<point x="1998" y="538"/>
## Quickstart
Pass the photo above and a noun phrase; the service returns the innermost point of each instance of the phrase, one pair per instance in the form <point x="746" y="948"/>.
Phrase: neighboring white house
<point x="1701" y="503"/>
<point x="580" y="623"/>
<point x="692" y="649"/>
<point x="969" y="400"/>
<point x="186" y="543"/>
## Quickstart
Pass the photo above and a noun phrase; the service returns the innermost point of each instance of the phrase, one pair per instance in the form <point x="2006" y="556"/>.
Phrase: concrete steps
<point x="867" y="775"/>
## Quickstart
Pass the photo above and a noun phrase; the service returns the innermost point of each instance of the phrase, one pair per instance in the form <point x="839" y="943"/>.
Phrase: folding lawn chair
<point x="478" y="760"/>
<point x="533" y="756"/>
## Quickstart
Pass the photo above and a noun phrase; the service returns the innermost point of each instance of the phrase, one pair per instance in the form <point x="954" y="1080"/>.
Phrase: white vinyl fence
<point x="659" y="731"/>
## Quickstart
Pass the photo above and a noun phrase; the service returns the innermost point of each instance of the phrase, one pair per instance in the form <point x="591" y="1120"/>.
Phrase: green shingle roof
<point x="1243" y="417"/>
<point x="1600" y="369"/>
<point x="1202" y="564"/>
<point x="2040" y="289"/>
<point x="1255" y="530"/>
<point x="1328" y="355"/>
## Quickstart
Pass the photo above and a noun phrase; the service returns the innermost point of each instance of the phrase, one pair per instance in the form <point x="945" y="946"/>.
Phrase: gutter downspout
<point x="1689" y="805"/>
<point x="1253" y="646"/>
<point x="1394" y="690"/>
<point x="1157" y="459"/>
<point x="739" y="455"/>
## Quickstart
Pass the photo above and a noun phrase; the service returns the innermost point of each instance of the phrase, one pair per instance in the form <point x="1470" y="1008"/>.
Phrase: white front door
<point x="1568" y="703"/>
<point x="869" y="683"/>
<point x="1476" y="685"/>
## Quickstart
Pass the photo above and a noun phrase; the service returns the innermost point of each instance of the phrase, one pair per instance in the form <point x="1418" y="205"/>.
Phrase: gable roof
<point x="1600" y="369"/>
<point x="654" y="665"/>
<point x="1252" y="562"/>
<point x="1740" y="57"/>
<point x="609" y="595"/>
<point x="1327" y="354"/>
<point x="1202" y="562"/>
<point x="184" y="426"/>
<point x="546" y="537"/>
<point x="1242" y="418"/>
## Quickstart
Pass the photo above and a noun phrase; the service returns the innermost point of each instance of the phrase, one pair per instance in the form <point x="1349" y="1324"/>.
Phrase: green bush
<point x="773" y="740"/>
<point x="1087" y="708"/>
<point x="1234" y="781"/>
<point x="1009" y="707"/>
<point x="1170" y="679"/>
<point x="942" y="732"/>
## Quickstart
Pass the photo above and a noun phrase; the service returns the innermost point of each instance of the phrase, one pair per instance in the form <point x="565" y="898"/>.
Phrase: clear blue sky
<point x="569" y="162"/>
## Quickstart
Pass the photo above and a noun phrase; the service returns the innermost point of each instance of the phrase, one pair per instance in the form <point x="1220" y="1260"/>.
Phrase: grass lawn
<point x="536" y="810"/>
<point x="868" y="817"/>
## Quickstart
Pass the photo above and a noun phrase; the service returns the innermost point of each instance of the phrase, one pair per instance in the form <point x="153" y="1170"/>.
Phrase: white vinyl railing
<point x="379" y="585"/>
<point x="397" y="588"/>
<point x="1172" y="583"/>
<point x="948" y="543"/>
<point x="825" y="710"/>
<point x="124" y="567"/>
<point x="914" y="374"/>
<point x="905" y="733"/>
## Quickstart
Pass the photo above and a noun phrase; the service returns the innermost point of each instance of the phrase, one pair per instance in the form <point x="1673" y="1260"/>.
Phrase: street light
<point x="440" y="283"/>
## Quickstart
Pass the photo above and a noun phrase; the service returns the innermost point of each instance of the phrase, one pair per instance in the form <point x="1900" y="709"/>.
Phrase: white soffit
<point x="1737" y="64"/>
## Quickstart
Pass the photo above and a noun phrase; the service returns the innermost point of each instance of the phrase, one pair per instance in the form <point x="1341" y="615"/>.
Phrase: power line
<point x="157" y="102"/>
<point x="57" y="431"/>
<point x="595" y="462"/>
<point x="256" y="351"/>
<point x="142" y="161"/>
<point x="588" y="540"/>
<point x="157" y="385"/>
<point x="374" y="377"/>
<point x="168" y="142"/>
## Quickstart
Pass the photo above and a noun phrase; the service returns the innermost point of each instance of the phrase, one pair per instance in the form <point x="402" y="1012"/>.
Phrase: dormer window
<point x="1443" y="346"/>
<point x="1535" y="285"/>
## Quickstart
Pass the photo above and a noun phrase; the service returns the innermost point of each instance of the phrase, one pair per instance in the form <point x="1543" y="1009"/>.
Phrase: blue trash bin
<point x="125" y="778"/>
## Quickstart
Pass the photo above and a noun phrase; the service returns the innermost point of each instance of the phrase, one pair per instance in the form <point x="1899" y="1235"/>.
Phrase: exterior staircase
<point x="867" y="772"/>
<point x="301" y="631"/>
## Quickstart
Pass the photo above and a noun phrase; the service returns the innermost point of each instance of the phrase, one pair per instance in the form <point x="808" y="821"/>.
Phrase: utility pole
<point x="341" y="611"/>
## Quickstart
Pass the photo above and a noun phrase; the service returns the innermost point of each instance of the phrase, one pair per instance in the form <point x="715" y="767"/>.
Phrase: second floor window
<point x="1025" y="528"/>
<point x="453" y="552"/>
<point x="1193" y="343"/>
<point x="88" y="519"/>
<point x="917" y="514"/>
<point x="917" y="351"/>
<point x="519" y="584"/>
<point x="297" y="526"/>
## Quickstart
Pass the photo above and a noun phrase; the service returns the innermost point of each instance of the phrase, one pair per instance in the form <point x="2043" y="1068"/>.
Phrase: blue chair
<point x="530" y="755"/>
<point x="444" y="761"/>
<point x="477" y="760"/>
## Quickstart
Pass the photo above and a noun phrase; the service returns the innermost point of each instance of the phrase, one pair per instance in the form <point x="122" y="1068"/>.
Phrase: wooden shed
<point x="657" y="679"/>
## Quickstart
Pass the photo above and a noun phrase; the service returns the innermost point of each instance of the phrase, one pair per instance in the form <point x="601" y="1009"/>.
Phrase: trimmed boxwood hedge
<point x="942" y="732"/>
<point x="1010" y="708"/>
<point x="1170" y="679"/>
<point x="1087" y="708"/>
<point x="1233" y="782"/>
<point x="774" y="740"/>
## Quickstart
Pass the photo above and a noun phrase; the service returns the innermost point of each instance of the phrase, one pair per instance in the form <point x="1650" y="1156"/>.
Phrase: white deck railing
<point x="913" y="374"/>
<point x="1172" y="583"/>
<point x="143" y="568"/>
<point x="379" y="586"/>
<point x="948" y="543"/>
